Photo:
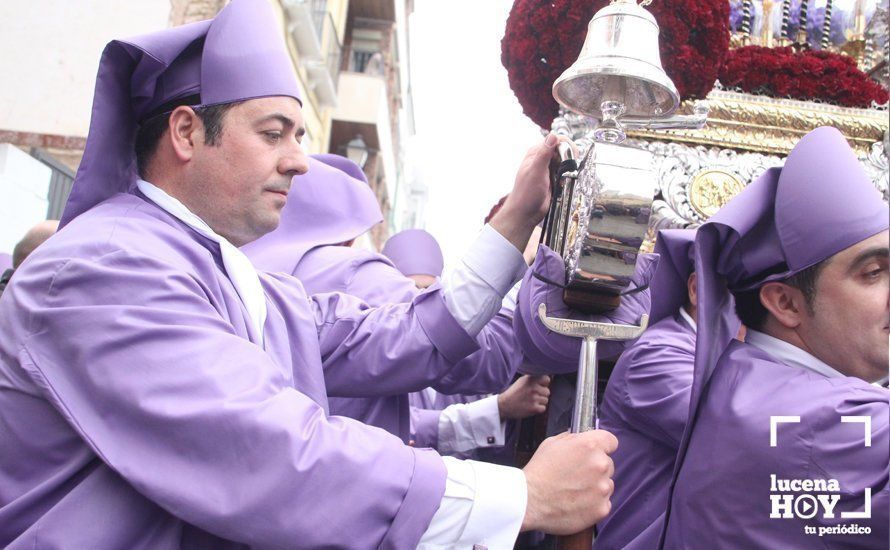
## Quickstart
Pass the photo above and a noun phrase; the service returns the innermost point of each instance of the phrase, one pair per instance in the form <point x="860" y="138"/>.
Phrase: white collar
<point x="789" y="353"/>
<point x="688" y="318"/>
<point x="238" y="267"/>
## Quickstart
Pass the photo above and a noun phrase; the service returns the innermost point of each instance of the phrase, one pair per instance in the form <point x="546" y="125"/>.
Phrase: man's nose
<point x="295" y="162"/>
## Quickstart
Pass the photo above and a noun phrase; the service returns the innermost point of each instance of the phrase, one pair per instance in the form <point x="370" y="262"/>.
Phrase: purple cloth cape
<point x="141" y="76"/>
<point x="5" y="261"/>
<point x="415" y="252"/>
<point x="820" y="203"/>
<point x="722" y="497"/>
<point x="161" y="425"/>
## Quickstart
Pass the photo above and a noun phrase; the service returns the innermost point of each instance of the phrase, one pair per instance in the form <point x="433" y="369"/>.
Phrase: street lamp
<point x="357" y="151"/>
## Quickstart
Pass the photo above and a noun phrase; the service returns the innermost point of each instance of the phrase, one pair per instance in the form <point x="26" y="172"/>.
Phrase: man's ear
<point x="185" y="129"/>
<point x="786" y="303"/>
<point x="691" y="289"/>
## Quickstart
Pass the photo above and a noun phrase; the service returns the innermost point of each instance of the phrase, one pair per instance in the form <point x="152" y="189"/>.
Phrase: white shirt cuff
<point x="467" y="426"/>
<point x="484" y="504"/>
<point x="495" y="260"/>
<point x="474" y="289"/>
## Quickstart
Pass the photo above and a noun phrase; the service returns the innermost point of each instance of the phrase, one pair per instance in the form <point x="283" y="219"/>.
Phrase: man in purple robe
<point x="157" y="392"/>
<point x="788" y="440"/>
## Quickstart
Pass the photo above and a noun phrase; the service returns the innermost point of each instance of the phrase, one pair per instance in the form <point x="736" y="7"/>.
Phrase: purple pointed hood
<point x="326" y="206"/>
<point x="240" y="54"/>
<point x="818" y="204"/>
<point x="415" y="252"/>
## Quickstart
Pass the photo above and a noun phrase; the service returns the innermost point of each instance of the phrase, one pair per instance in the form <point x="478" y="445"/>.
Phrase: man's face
<point x="240" y="185"/>
<point x="849" y="325"/>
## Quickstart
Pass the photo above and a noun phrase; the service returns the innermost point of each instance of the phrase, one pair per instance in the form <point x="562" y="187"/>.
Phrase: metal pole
<point x="584" y="415"/>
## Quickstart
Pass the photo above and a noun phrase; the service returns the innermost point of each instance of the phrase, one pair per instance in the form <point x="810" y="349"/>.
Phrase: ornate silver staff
<point x="599" y="213"/>
<point x="584" y="416"/>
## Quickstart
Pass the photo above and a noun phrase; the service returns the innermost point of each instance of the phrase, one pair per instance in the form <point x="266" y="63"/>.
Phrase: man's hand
<point x="570" y="482"/>
<point x="529" y="200"/>
<point x="526" y="397"/>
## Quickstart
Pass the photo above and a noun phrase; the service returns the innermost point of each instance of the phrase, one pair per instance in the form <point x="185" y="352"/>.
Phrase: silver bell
<point x="619" y="64"/>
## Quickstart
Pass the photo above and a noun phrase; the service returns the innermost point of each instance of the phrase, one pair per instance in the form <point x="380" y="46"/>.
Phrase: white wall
<point x="24" y="183"/>
<point x="50" y="54"/>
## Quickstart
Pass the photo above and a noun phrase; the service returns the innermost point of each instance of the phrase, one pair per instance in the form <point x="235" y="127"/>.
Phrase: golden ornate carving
<point x="767" y="125"/>
<point x="710" y="189"/>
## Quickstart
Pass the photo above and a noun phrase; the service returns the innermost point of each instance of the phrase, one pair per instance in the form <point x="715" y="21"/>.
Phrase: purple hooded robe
<point x="136" y="409"/>
<point x="820" y="203"/>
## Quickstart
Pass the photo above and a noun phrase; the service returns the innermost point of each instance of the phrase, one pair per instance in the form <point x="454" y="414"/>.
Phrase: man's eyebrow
<point x="879" y="252"/>
<point x="286" y="121"/>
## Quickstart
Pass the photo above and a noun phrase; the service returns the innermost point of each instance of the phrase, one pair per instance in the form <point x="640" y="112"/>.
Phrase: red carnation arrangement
<point x="806" y="75"/>
<point x="544" y="37"/>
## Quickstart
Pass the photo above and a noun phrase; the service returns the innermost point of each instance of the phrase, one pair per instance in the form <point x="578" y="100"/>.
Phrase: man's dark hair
<point x="150" y="132"/>
<point x="750" y="309"/>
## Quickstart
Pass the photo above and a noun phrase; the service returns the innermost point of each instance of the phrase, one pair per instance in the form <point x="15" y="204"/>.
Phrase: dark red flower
<point x="808" y="75"/>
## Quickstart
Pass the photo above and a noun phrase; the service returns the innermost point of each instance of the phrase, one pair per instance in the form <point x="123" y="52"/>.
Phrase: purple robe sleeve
<point x="378" y="282"/>
<point x="401" y="347"/>
<point x="425" y="427"/>
<point x="137" y="359"/>
<point x="654" y="382"/>
<point x="488" y="369"/>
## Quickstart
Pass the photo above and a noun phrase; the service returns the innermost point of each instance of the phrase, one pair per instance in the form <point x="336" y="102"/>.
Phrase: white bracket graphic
<point x="865" y="421"/>
<point x="774" y="421"/>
